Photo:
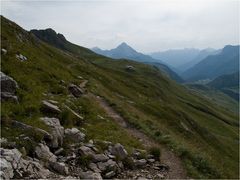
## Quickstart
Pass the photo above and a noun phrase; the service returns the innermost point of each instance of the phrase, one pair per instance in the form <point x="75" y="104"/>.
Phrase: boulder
<point x="42" y="152"/>
<point x="94" y="167"/>
<point x="75" y="135"/>
<point x="100" y="157"/>
<point x="8" y="88"/>
<point x="90" y="175"/>
<point x="109" y="174"/>
<point x="119" y="151"/>
<point x="50" y="108"/>
<point x="110" y="165"/>
<point x="140" y="163"/>
<point x="3" y="51"/>
<point x="6" y="96"/>
<point x="8" y="84"/>
<point x="6" y="169"/>
<point x="60" y="168"/>
<point x="21" y="57"/>
<point x="56" y="131"/>
<point x="14" y="166"/>
<point x="26" y="127"/>
<point x="75" y="90"/>
<point x="86" y="151"/>
<point x="129" y="68"/>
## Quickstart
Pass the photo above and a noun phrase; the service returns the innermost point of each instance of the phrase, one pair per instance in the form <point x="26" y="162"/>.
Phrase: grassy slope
<point x="205" y="136"/>
<point x="216" y="96"/>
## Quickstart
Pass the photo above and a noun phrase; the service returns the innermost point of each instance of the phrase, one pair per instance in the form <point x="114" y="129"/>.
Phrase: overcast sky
<point x="147" y="25"/>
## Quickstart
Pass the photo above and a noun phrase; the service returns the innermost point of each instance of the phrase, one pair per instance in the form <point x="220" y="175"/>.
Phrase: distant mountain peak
<point x="124" y="45"/>
<point x="96" y="48"/>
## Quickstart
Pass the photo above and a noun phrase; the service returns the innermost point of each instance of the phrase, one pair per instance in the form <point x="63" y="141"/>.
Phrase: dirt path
<point x="167" y="157"/>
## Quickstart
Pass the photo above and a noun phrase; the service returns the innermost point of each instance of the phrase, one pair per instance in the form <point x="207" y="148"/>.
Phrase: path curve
<point x="176" y="171"/>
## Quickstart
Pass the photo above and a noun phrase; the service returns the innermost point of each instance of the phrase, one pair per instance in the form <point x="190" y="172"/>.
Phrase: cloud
<point x="145" y="25"/>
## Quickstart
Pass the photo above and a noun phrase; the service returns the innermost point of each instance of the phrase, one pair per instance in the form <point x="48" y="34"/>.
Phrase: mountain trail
<point x="176" y="171"/>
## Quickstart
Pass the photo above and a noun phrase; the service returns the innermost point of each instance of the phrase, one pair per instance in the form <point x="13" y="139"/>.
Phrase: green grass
<point x="204" y="135"/>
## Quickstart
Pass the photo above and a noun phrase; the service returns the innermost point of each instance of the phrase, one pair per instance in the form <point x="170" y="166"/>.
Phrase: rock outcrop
<point x="21" y="57"/>
<point x="75" y="90"/>
<point x="43" y="153"/>
<point x="50" y="108"/>
<point x="8" y="88"/>
<point x="75" y="135"/>
<point x="14" y="166"/>
<point x="56" y="131"/>
<point x="119" y="151"/>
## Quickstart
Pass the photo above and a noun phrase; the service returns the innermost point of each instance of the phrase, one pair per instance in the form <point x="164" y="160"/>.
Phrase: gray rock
<point x="109" y="174"/>
<point x="94" y="168"/>
<point x="75" y="135"/>
<point x="151" y="160"/>
<point x="110" y="165"/>
<point x="21" y="57"/>
<point x="26" y="127"/>
<point x="130" y="68"/>
<point x="14" y="166"/>
<point x="8" y="84"/>
<point x="8" y="88"/>
<point x="75" y="90"/>
<point x="50" y="108"/>
<point x="60" y="168"/>
<point x="86" y="151"/>
<point x="57" y="131"/>
<point x="140" y="163"/>
<point x="42" y="152"/>
<point x="53" y="102"/>
<point x="119" y="151"/>
<point x="3" y="51"/>
<point x="59" y="151"/>
<point x="6" y="169"/>
<point x="100" y="157"/>
<point x="6" y="96"/>
<point x="77" y="116"/>
<point x="102" y="166"/>
<point x="111" y="156"/>
<point x="90" y="175"/>
<point x="162" y="167"/>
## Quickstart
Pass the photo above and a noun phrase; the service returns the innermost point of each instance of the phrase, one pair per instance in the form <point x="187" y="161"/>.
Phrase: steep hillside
<point x="167" y="71"/>
<point x="203" y="135"/>
<point x="126" y="52"/>
<point x="225" y="81"/>
<point x="228" y="84"/>
<point x="226" y="62"/>
<point x="216" y="96"/>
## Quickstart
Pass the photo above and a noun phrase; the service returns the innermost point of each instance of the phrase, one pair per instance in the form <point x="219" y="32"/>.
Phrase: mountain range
<point x="124" y="51"/>
<point x="182" y="59"/>
<point x="62" y="85"/>
<point x="225" y="62"/>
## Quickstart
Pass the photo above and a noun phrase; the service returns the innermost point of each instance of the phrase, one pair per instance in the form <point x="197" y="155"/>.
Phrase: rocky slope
<point x="52" y="93"/>
<point x="64" y="153"/>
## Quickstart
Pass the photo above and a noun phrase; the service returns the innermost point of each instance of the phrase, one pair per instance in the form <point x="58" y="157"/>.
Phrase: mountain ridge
<point x="125" y="51"/>
<point x="225" y="62"/>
